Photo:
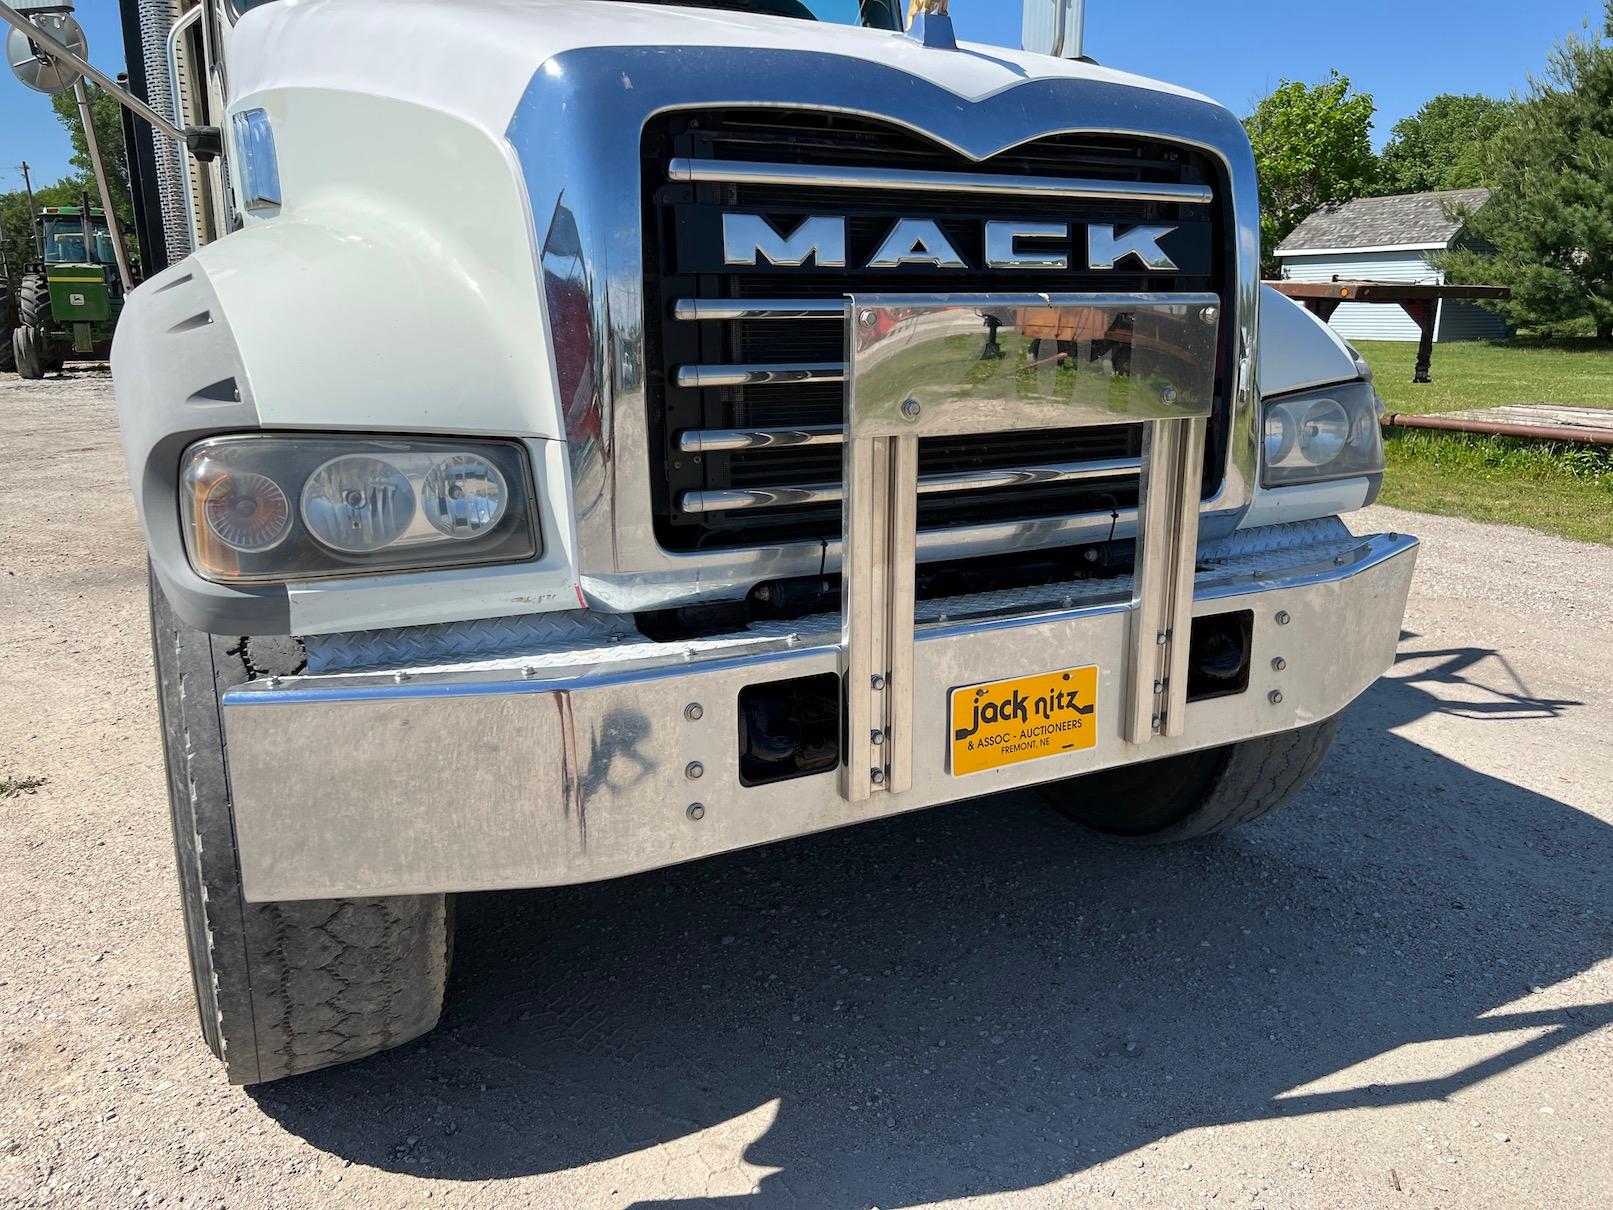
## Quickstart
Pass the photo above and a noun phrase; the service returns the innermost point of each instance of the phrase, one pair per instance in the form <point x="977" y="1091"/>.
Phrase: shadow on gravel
<point x="980" y="999"/>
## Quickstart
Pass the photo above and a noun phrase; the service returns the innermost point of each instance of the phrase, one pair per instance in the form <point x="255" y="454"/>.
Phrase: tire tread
<point x="281" y="988"/>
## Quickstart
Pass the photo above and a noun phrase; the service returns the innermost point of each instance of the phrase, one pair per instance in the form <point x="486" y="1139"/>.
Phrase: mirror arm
<point x="122" y="95"/>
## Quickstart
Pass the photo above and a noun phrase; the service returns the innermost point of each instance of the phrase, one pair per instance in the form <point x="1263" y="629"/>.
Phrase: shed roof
<point x="1405" y="220"/>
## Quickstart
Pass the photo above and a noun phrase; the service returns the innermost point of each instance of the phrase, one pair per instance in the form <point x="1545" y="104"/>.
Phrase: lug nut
<point x="1283" y="617"/>
<point x="693" y="712"/>
<point x="695" y="771"/>
<point x="1278" y="664"/>
<point x="696" y="811"/>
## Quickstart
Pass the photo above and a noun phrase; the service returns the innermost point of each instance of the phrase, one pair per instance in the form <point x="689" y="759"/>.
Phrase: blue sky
<point x="1402" y="51"/>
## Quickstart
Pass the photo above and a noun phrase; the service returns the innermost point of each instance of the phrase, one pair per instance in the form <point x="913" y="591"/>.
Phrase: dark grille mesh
<point x="810" y="137"/>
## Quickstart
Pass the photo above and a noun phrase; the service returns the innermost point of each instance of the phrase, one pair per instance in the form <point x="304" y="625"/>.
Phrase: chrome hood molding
<point x="577" y="134"/>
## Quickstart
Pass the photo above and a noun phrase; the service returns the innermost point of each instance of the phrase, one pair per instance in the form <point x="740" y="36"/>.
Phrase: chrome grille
<point x="745" y="397"/>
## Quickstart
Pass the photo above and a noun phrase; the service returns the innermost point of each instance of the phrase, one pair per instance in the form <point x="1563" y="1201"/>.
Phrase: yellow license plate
<point x="1026" y="718"/>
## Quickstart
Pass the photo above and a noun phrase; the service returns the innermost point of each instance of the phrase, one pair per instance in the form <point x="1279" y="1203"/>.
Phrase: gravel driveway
<point x="1397" y="991"/>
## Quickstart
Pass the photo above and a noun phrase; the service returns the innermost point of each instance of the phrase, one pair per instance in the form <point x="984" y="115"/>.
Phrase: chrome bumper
<point x="572" y="762"/>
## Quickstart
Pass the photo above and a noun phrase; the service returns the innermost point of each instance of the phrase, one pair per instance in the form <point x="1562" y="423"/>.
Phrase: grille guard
<point x="923" y="367"/>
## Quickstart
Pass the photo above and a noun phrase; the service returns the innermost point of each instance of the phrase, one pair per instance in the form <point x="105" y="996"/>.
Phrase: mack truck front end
<point x="607" y="435"/>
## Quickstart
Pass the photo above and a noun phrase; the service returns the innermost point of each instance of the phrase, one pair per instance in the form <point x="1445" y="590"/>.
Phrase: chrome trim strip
<point x="737" y="172"/>
<point x="961" y="481"/>
<point x="585" y="191"/>
<point x="710" y="441"/>
<point x="757" y="308"/>
<point x="753" y="375"/>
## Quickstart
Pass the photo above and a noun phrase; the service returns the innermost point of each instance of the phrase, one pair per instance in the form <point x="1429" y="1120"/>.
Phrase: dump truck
<point x="68" y="301"/>
<point x="576" y="438"/>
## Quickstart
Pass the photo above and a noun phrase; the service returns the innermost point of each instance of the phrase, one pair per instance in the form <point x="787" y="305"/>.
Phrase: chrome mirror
<point x="32" y="63"/>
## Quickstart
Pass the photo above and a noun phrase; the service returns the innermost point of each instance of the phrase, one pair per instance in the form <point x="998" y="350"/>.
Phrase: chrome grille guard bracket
<point x="923" y="366"/>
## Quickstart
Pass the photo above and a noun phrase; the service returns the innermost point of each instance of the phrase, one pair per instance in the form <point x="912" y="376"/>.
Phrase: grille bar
<point x="757" y="375"/>
<point x="732" y="499"/>
<point x="739" y="172"/>
<point x="757" y="308"/>
<point x="709" y="441"/>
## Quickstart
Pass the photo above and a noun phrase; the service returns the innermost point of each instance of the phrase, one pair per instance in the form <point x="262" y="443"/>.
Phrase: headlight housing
<point x="1316" y="436"/>
<point x="262" y="508"/>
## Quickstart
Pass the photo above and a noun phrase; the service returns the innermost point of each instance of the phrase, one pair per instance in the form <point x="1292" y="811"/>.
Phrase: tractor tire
<point x="1198" y="794"/>
<point x="31" y="341"/>
<point x="25" y="353"/>
<point x="281" y="988"/>
<point x="8" y="324"/>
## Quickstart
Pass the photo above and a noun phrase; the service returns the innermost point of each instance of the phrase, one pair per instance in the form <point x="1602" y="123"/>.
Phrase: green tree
<point x="108" y="118"/>
<point x="1313" y="148"/>
<point x="1550" y="215"/>
<point x="1444" y="145"/>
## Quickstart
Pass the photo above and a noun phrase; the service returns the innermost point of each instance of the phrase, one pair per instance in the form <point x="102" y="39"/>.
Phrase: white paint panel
<point x="1297" y="350"/>
<point x="474" y="58"/>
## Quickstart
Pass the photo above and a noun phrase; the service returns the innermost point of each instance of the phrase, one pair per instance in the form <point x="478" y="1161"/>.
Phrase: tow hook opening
<point x="1218" y="658"/>
<point x="789" y="729"/>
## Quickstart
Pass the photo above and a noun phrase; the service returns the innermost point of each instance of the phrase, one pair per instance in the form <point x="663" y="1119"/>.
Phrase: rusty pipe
<point x="1498" y="428"/>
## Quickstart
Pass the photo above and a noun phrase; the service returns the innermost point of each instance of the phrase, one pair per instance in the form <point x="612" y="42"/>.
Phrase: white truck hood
<point x="473" y="59"/>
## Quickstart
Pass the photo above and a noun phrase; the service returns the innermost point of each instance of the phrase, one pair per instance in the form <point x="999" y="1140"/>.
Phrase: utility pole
<point x="114" y="228"/>
<point x="28" y="185"/>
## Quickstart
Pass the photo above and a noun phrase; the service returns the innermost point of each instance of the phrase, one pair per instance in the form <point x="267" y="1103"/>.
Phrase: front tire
<point x="8" y="324"/>
<point x="1197" y="794"/>
<point x="281" y="988"/>
<point x="30" y="341"/>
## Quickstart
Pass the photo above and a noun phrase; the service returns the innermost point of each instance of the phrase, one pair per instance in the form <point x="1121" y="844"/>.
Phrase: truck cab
<point x="610" y="434"/>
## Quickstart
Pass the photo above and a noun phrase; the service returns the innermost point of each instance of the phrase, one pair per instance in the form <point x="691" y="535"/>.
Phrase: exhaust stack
<point x="1055" y="27"/>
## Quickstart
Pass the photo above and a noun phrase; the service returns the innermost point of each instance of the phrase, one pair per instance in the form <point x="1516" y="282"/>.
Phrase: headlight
<point x="1321" y="435"/>
<point x="289" y="508"/>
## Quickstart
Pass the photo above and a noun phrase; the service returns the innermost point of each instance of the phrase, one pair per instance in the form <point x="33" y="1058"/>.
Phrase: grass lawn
<point x="1559" y="489"/>
<point x="1480" y="374"/>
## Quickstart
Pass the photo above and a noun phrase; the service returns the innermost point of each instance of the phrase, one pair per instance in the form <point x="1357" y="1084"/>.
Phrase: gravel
<point x="1395" y="991"/>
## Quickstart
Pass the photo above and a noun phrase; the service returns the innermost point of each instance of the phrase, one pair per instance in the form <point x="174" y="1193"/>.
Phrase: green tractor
<point x="69" y="302"/>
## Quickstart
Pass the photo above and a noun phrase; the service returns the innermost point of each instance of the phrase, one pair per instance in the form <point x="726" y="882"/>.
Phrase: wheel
<point x="281" y="988"/>
<point x="8" y="323"/>
<point x="25" y="353"/>
<point x="1197" y="794"/>
<point x="31" y="343"/>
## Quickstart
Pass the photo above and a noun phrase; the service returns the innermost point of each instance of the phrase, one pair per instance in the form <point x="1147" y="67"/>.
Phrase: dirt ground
<point x="1396" y="991"/>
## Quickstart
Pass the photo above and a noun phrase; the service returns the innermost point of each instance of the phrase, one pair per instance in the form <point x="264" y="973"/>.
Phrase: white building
<point x="1390" y="239"/>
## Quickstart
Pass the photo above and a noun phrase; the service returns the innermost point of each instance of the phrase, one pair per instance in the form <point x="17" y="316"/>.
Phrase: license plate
<point x="1025" y="718"/>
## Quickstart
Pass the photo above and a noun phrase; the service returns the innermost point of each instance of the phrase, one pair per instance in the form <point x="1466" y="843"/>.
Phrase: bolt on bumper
<point x="478" y="776"/>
